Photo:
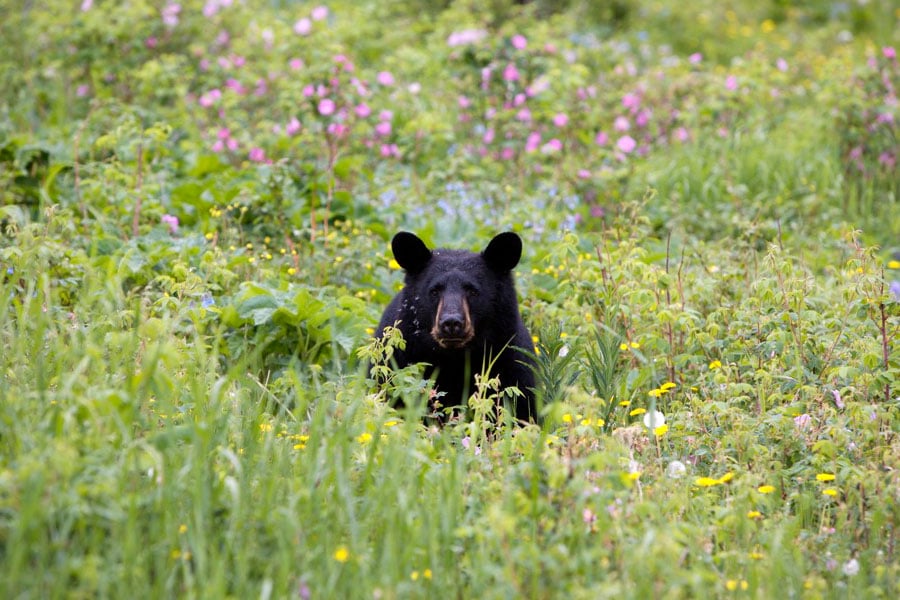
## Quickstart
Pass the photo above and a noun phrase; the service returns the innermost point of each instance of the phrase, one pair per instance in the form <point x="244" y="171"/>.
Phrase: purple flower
<point x="319" y="13"/>
<point x="621" y="124"/>
<point x="695" y="58"/>
<point x="170" y="14"/>
<point x="631" y="101"/>
<point x="465" y="37"/>
<point x="533" y="141"/>
<point x="326" y="107"/>
<point x="257" y="154"/>
<point x="889" y="52"/>
<point x="895" y="290"/>
<point x="510" y="73"/>
<point x="731" y="83"/>
<point x="519" y="41"/>
<point x="626" y="144"/>
<point x="553" y="145"/>
<point x="561" y="119"/>
<point x="385" y="78"/>
<point x="802" y="422"/>
<point x="383" y="129"/>
<point x="295" y="64"/>
<point x="293" y="127"/>
<point x="601" y="139"/>
<point x="171" y="222"/>
<point x="362" y="110"/>
<point x="303" y="26"/>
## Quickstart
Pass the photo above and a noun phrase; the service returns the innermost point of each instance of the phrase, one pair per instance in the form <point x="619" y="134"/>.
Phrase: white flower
<point x="654" y="419"/>
<point x="676" y="469"/>
<point x="851" y="567"/>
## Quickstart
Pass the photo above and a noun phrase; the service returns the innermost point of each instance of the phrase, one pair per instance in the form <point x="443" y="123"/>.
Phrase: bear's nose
<point x="452" y="326"/>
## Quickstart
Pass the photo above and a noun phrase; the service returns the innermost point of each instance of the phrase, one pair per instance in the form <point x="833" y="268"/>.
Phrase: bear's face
<point x="454" y="292"/>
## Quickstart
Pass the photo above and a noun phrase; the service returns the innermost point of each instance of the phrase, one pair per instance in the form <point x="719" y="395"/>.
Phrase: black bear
<point x="458" y="312"/>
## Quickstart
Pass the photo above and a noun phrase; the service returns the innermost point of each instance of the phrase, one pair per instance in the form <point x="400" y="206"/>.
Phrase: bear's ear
<point x="503" y="252"/>
<point x="410" y="252"/>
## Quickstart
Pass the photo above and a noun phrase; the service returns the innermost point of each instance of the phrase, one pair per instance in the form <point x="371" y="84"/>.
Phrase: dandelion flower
<point x="824" y="477"/>
<point x="716" y="364"/>
<point x="341" y="555"/>
<point x="765" y="489"/>
<point x="754" y="514"/>
<point x="364" y="437"/>
<point x="831" y="492"/>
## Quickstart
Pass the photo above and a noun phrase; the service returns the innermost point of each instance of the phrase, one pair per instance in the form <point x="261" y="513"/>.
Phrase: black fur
<point x="480" y="317"/>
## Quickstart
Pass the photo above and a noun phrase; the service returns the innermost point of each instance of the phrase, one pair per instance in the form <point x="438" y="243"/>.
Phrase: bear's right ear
<point x="503" y="252"/>
<point x="410" y="252"/>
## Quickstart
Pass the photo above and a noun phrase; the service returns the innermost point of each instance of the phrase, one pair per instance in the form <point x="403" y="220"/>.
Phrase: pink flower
<point x="626" y="144"/>
<point x="210" y="98"/>
<point x="488" y="136"/>
<point x="588" y="516"/>
<point x="802" y="422"/>
<point x="695" y="58"/>
<point x="170" y="14"/>
<point x="731" y="83"/>
<point x="303" y="26"/>
<point x="293" y="127"/>
<point x="621" y="124"/>
<point x="631" y="101"/>
<point x="309" y="91"/>
<point x="231" y="144"/>
<point x="533" y="141"/>
<point x="561" y="119"/>
<point x="781" y="65"/>
<point x="83" y="90"/>
<point x="326" y="107"/>
<point x="385" y="78"/>
<point x="223" y="133"/>
<point x="337" y="129"/>
<point x="553" y="145"/>
<point x="507" y="153"/>
<point x="837" y="398"/>
<point x="151" y="42"/>
<point x="295" y="64"/>
<point x="386" y="115"/>
<point x="257" y="154"/>
<point x="601" y="138"/>
<point x="886" y="159"/>
<point x="465" y="37"/>
<point x="584" y="174"/>
<point x="642" y="118"/>
<point x="519" y="41"/>
<point x="388" y="150"/>
<point x="414" y="88"/>
<point x="218" y="146"/>
<point x="383" y="129"/>
<point x="86" y="5"/>
<point x="463" y="102"/>
<point x="510" y="73"/>
<point x="171" y="222"/>
<point x="889" y="52"/>
<point x="523" y="115"/>
<point x="682" y="135"/>
<point x="319" y="13"/>
<point x="362" y="110"/>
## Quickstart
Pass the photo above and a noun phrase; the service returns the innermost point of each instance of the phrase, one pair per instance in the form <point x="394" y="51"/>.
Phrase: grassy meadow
<point x="196" y="205"/>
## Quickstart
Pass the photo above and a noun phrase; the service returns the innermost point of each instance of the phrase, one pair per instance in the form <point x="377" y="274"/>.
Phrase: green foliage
<point x="196" y="200"/>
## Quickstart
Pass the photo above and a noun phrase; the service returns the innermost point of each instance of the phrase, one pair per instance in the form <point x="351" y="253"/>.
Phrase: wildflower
<point x="426" y="574"/>
<point x="385" y="78"/>
<point x="567" y="418"/>
<point x="676" y="470"/>
<point x="257" y="154"/>
<point x="303" y="26"/>
<point x="510" y="73"/>
<point x="830" y="492"/>
<point x="754" y="514"/>
<point x="326" y="107"/>
<point x="182" y="528"/>
<point x="293" y="126"/>
<point x="851" y="567"/>
<point x="824" y="477"/>
<point x="695" y="58"/>
<point x="765" y="489"/>
<point x="637" y="411"/>
<point x="561" y="119"/>
<point x="626" y="144"/>
<point x="601" y="139"/>
<point x="661" y="430"/>
<point x="588" y="516"/>
<point x="364" y="438"/>
<point x="319" y="13"/>
<point x="171" y="222"/>
<point x="519" y="41"/>
<point x="341" y="554"/>
<point x="716" y="364"/>
<point x="621" y="124"/>
<point x="889" y="52"/>
<point x="802" y="422"/>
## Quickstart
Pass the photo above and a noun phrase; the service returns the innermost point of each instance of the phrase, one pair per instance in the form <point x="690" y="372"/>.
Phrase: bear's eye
<point x="435" y="291"/>
<point x="471" y="291"/>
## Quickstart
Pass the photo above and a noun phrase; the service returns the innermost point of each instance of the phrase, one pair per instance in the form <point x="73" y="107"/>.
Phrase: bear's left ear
<point x="410" y="252"/>
<point x="503" y="252"/>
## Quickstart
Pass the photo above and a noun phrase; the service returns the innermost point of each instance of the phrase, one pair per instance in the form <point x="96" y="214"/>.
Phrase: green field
<point x="196" y="205"/>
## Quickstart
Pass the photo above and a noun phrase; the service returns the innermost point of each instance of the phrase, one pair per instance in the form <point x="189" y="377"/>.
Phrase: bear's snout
<point x="453" y="323"/>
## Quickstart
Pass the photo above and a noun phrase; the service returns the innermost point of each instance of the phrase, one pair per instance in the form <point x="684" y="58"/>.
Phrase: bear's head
<point x="457" y="292"/>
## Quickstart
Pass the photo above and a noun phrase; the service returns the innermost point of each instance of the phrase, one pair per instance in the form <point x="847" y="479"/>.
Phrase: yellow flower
<point x="830" y="492"/>
<point x="655" y="393"/>
<point x="757" y="555"/>
<point x="634" y="476"/>
<point x="600" y="422"/>
<point x="661" y="430"/>
<point x="731" y="585"/>
<point x="182" y="528"/>
<point x="393" y="264"/>
<point x="767" y="26"/>
<point x="567" y="418"/>
<point x="754" y="514"/>
<point x="637" y="411"/>
<point x="825" y="477"/>
<point x="623" y="347"/>
<point x="414" y="575"/>
<point x="894" y="264"/>
<point x="765" y="489"/>
<point x="666" y="386"/>
<point x="364" y="437"/>
<point x="716" y="364"/>
<point x="342" y="555"/>
<point x="426" y="573"/>
<point x="726" y="477"/>
<point x="265" y="427"/>
<point x="706" y="482"/>
<point x="391" y="423"/>
<point x="625" y="403"/>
